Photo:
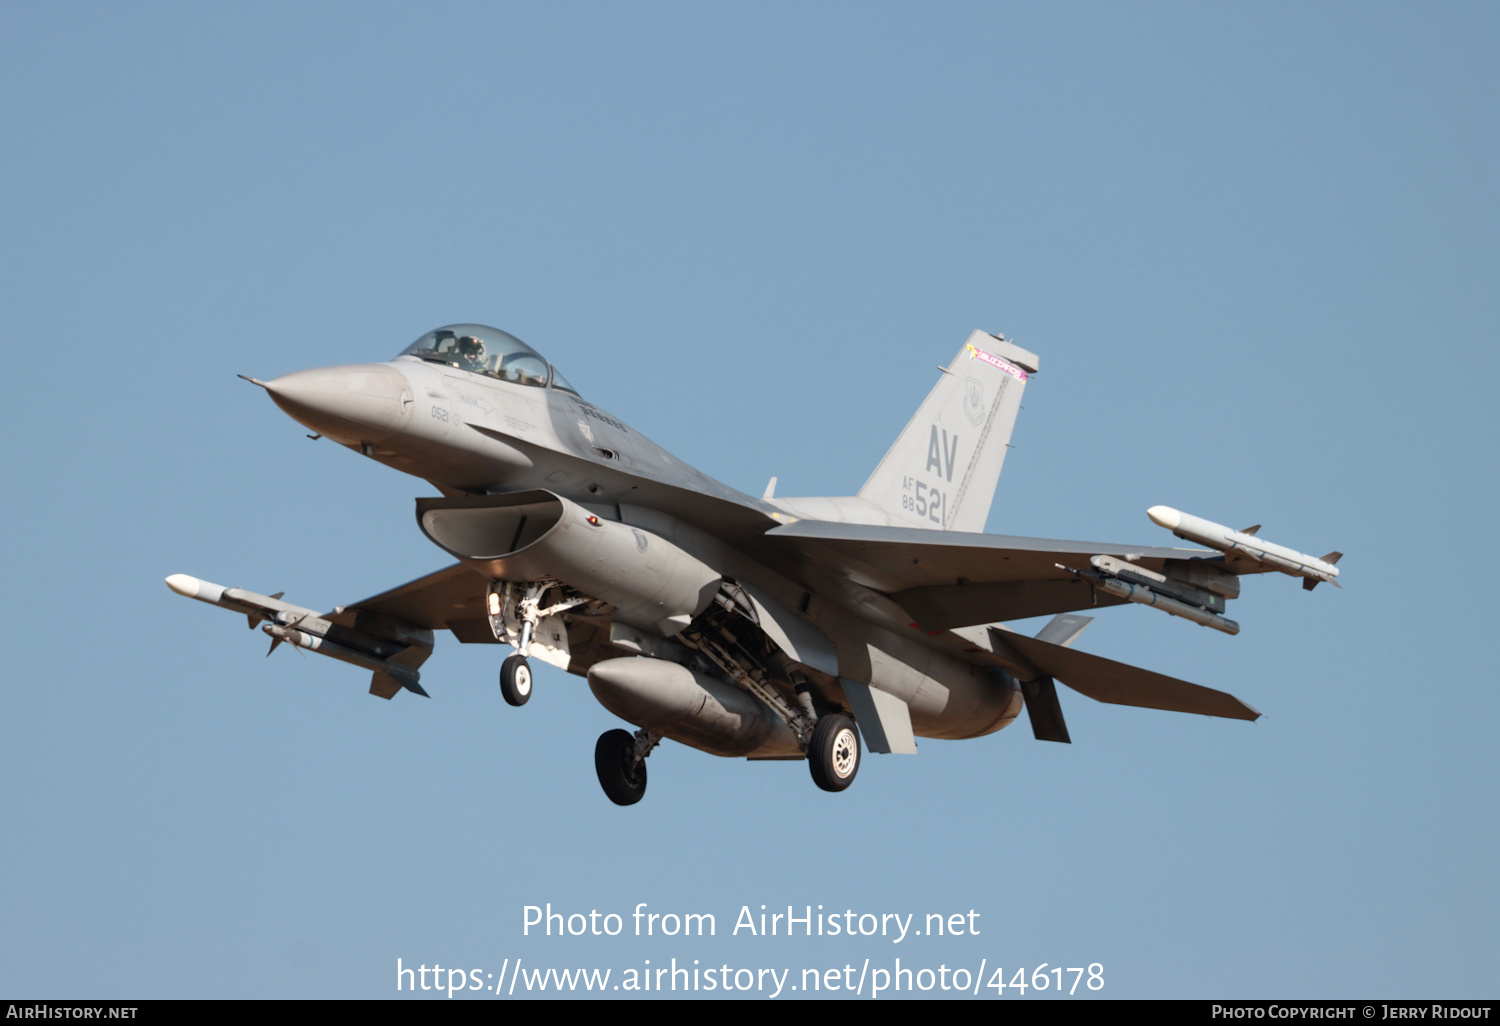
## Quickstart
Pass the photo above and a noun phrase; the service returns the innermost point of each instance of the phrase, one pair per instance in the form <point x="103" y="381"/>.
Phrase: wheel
<point x="833" y="755"/>
<point x="515" y="680"/>
<point x="613" y="755"/>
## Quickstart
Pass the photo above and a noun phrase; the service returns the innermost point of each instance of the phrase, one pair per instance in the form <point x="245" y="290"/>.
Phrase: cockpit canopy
<point x="488" y="351"/>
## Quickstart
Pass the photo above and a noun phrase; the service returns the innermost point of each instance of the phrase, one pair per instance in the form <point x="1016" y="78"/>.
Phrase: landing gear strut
<point x="515" y="680"/>
<point x="833" y="752"/>
<point x="515" y="613"/>
<point x="620" y="761"/>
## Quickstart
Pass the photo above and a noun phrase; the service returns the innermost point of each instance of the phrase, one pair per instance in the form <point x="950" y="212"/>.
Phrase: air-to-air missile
<point x="1186" y="588"/>
<point x="1171" y="595"/>
<point x="1196" y="589"/>
<point x="390" y="648"/>
<point x="1245" y="543"/>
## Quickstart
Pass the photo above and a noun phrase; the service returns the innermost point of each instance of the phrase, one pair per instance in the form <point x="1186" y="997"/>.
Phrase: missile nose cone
<point x="193" y="588"/>
<point x="363" y="402"/>
<point x="1165" y="516"/>
<point x="184" y="585"/>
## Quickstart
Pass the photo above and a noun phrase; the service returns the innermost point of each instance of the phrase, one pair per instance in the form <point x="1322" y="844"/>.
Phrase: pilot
<point x="470" y="352"/>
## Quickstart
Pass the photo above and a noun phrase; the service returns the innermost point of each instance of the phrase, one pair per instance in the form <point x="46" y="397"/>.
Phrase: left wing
<point x="948" y="579"/>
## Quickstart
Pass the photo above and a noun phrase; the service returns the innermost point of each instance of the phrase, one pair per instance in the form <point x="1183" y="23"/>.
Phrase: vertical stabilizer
<point x="942" y="471"/>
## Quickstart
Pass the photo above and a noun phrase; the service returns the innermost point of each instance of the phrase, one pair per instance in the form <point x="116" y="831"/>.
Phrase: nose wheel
<point x="515" y="680"/>
<point x="833" y="755"/>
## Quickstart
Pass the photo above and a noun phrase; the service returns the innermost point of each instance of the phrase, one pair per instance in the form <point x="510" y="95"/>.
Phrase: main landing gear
<point x="620" y="758"/>
<point x="620" y="761"/>
<point x="833" y="752"/>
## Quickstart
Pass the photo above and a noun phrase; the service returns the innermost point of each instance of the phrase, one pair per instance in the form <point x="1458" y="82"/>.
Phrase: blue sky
<point x="1254" y="247"/>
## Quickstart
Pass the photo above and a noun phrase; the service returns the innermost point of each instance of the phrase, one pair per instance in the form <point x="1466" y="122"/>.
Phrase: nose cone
<point x="361" y="402"/>
<point x="1164" y="516"/>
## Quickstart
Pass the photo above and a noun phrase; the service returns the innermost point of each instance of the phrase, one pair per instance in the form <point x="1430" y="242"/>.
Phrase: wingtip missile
<point x="386" y="647"/>
<point x="1248" y="544"/>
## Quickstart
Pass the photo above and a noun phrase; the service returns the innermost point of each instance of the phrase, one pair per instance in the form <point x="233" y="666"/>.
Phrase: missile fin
<point x="1333" y="557"/>
<point x="383" y="685"/>
<point x="1251" y="531"/>
<point x="1308" y="584"/>
<point x="274" y="643"/>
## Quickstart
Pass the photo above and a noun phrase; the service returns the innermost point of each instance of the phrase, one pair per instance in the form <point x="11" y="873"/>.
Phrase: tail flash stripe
<point x="975" y="353"/>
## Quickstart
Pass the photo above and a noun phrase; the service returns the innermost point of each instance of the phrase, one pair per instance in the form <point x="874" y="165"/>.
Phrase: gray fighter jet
<point x="769" y="628"/>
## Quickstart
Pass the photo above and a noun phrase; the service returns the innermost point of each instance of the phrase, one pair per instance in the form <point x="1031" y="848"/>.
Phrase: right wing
<point x="451" y="599"/>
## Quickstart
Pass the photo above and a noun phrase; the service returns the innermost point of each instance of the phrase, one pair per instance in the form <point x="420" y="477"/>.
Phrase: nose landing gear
<point x="515" y="680"/>
<point x="517" y="618"/>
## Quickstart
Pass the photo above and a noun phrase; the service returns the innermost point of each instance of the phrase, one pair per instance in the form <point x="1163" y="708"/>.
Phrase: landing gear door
<point x="550" y="642"/>
<point x="799" y="639"/>
<point x="884" y="720"/>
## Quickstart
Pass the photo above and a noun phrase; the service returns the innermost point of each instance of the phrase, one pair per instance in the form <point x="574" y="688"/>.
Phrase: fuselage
<point x="477" y="433"/>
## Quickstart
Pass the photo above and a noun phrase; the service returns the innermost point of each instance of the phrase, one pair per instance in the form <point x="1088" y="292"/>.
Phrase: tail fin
<point x="942" y="471"/>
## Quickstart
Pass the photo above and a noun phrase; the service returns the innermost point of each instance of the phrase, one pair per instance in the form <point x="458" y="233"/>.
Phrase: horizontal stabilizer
<point x="1105" y="680"/>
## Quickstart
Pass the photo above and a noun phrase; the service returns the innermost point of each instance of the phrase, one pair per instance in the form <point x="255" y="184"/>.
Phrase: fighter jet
<point x="766" y="628"/>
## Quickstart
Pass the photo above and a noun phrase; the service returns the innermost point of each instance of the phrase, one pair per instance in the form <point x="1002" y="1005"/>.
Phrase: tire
<point x="833" y="755"/>
<point x="612" y="757"/>
<point x="515" y="680"/>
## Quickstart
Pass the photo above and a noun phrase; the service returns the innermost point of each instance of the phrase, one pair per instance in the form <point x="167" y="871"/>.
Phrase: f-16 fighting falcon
<point x="769" y="628"/>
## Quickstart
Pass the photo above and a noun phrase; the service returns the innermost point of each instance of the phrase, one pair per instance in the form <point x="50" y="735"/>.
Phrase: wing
<point x="947" y="579"/>
<point x="451" y="599"/>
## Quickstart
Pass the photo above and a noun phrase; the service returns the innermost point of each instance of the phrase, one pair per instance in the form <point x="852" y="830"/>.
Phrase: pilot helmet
<point x="470" y="346"/>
